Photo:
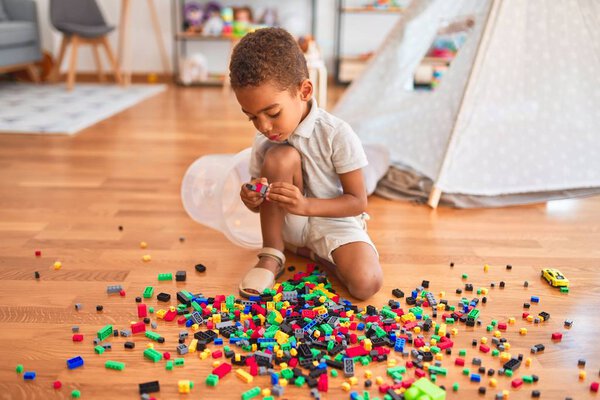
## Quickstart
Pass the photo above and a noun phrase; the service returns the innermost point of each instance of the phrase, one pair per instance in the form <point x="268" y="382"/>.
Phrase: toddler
<point x="310" y="162"/>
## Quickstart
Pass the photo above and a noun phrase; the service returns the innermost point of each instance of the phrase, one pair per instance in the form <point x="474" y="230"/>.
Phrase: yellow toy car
<point x="554" y="277"/>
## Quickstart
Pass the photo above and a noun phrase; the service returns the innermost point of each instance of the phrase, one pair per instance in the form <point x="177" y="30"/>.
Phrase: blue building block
<point x="29" y="376"/>
<point x="75" y="362"/>
<point x="399" y="345"/>
<point x="274" y="379"/>
<point x="218" y="341"/>
<point x="475" y="378"/>
<point x="535" y="299"/>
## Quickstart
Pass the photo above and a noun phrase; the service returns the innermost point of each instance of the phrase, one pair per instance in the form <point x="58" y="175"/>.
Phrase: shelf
<point x="373" y="10"/>
<point x="200" y="37"/>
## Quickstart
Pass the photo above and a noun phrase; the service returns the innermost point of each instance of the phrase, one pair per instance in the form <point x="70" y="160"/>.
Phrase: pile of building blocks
<point x="302" y="333"/>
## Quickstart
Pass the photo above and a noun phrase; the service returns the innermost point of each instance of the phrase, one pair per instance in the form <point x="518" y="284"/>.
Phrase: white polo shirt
<point x="328" y="147"/>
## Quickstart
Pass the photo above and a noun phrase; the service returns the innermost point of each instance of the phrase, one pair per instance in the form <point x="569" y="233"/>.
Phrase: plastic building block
<point x="149" y="387"/>
<point x="348" y="367"/>
<point x="165" y="276"/>
<point x="19" y="368"/>
<point x="180" y="276"/>
<point x="258" y="188"/>
<point x="105" y="332"/>
<point x="36" y="275"/>
<point x="250" y="394"/>
<point x="243" y="375"/>
<point x="29" y="376"/>
<point x="154" y="336"/>
<point x="57" y="384"/>
<point x="75" y="394"/>
<point x="99" y="349"/>
<point x="152" y="354"/>
<point x="164" y="297"/>
<point x="119" y="366"/>
<point x="112" y="289"/>
<point x="185" y="386"/>
<point x="75" y="362"/>
<point x="424" y="388"/>
<point x="148" y="292"/>
<point x="200" y="268"/>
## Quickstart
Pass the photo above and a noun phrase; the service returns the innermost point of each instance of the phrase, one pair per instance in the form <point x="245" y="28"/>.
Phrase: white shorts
<point x="324" y="235"/>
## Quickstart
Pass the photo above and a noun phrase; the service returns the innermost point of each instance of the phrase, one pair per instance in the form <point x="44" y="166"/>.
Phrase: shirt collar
<point x="307" y="126"/>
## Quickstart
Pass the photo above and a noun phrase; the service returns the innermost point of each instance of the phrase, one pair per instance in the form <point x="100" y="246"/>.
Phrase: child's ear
<point x="306" y="90"/>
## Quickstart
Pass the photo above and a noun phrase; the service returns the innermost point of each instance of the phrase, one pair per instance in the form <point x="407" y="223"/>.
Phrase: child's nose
<point x="265" y="127"/>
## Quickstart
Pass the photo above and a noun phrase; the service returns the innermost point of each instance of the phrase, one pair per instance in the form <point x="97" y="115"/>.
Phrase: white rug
<point x="50" y="109"/>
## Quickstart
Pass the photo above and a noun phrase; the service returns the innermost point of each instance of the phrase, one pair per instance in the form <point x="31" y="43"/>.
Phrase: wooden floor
<point x="66" y="196"/>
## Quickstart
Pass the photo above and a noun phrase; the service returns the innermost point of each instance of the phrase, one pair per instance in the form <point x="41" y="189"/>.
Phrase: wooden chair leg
<point x="33" y="73"/>
<point x="98" y="61"/>
<point x="73" y="64"/>
<point x="55" y="75"/>
<point x="112" y="60"/>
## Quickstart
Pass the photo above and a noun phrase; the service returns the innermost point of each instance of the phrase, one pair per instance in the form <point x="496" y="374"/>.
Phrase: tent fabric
<point x="517" y="112"/>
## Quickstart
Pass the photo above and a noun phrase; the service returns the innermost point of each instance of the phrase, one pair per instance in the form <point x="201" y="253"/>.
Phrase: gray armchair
<point x="19" y="36"/>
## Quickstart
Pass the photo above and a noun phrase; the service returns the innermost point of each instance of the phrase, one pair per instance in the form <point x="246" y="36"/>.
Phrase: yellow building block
<point x="368" y="374"/>
<point x="493" y="382"/>
<point x="266" y="392"/>
<point x="244" y="376"/>
<point x="346" y="386"/>
<point x="417" y="329"/>
<point x="293" y="352"/>
<point x="442" y="294"/>
<point x="379" y="380"/>
<point x="454" y="331"/>
<point x="353" y="380"/>
<point x="283" y="382"/>
<point x="193" y="345"/>
<point x="160" y="314"/>
<point x="528" y="361"/>
<point x="523" y="331"/>
<point x="483" y="340"/>
<point x="277" y="297"/>
<point x="439" y="356"/>
<point x="216" y="318"/>
<point x="497" y="334"/>
<point x="512" y="320"/>
<point x="505" y="356"/>
<point x="582" y="375"/>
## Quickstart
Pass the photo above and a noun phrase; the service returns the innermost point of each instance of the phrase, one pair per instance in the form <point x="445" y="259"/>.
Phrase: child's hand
<point x="252" y="199"/>
<point x="288" y="197"/>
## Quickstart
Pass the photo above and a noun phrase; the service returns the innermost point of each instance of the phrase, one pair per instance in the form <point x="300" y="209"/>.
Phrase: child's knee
<point x="281" y="156"/>
<point x="364" y="286"/>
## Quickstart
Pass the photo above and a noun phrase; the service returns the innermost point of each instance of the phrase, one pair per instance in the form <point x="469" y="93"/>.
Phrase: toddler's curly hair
<point x="268" y="55"/>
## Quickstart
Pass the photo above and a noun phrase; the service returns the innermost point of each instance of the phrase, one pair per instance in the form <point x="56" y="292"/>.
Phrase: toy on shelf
<point x="227" y="16"/>
<point x="213" y="23"/>
<point x="554" y="277"/>
<point x="192" y="17"/>
<point x="242" y="21"/>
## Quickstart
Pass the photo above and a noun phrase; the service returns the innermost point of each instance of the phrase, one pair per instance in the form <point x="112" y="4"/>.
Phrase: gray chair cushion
<point x="87" y="31"/>
<point x="15" y="33"/>
<point x="3" y="16"/>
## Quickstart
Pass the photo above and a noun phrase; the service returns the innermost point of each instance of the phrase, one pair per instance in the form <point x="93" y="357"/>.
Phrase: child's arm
<point x="351" y="203"/>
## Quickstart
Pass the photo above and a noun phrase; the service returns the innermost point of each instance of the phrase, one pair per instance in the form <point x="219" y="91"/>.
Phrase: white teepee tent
<point x="515" y="119"/>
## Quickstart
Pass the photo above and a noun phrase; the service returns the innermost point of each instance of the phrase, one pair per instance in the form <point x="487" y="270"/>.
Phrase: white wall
<point x="359" y="34"/>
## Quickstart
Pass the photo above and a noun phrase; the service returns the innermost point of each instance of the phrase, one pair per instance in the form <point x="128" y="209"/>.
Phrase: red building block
<point x="502" y="326"/>
<point x="78" y="337"/>
<point x="323" y="383"/>
<point x="484" y="349"/>
<point x="57" y="384"/>
<point x="38" y="253"/>
<point x="138" y="327"/>
<point x="460" y="362"/>
<point x="557" y="336"/>
<point x="166" y="355"/>
<point x="594" y="386"/>
<point x="222" y="370"/>
<point x="516" y="383"/>
<point x="142" y="310"/>
<point x="217" y="354"/>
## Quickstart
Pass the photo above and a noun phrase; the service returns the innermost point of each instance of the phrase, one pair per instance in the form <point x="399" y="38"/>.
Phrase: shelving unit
<point x="181" y="39"/>
<point x="348" y="66"/>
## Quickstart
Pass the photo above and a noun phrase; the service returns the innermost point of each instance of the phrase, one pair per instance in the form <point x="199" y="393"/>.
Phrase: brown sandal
<point x="258" y="279"/>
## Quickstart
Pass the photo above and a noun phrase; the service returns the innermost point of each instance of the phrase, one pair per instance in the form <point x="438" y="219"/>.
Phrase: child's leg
<point x="282" y="164"/>
<point x="358" y="268"/>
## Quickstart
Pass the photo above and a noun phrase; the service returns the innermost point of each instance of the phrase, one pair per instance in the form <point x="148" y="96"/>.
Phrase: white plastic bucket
<point x="210" y="193"/>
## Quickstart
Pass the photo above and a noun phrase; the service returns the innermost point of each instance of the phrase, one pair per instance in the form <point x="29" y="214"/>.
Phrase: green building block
<point x="153" y="355"/>
<point x="169" y="365"/>
<point x="212" y="380"/>
<point x="424" y="389"/>
<point x="269" y="398"/>
<point x="299" y="381"/>
<point x="455" y="387"/>
<point x="151" y="310"/>
<point x="466" y="371"/>
<point x="99" y="349"/>
<point x="287" y="373"/>
<point x="255" y="391"/>
<point x="148" y="292"/>
<point x="495" y="353"/>
<point x="152" y="335"/>
<point x="465" y="276"/>
<point x="564" y="289"/>
<point x="119" y="366"/>
<point x="75" y="394"/>
<point x="19" y="368"/>
<point x="105" y="332"/>
<point x="165" y="276"/>
<point x="508" y="372"/>
<point x="334" y="373"/>
<point x="438" y="370"/>
<point x="462" y="352"/>
<point x="528" y="379"/>
<point x="179" y="362"/>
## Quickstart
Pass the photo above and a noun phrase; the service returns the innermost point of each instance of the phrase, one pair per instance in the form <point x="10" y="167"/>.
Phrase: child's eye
<point x="275" y="115"/>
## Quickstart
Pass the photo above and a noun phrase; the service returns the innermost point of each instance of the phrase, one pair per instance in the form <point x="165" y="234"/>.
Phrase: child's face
<point x="275" y="113"/>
